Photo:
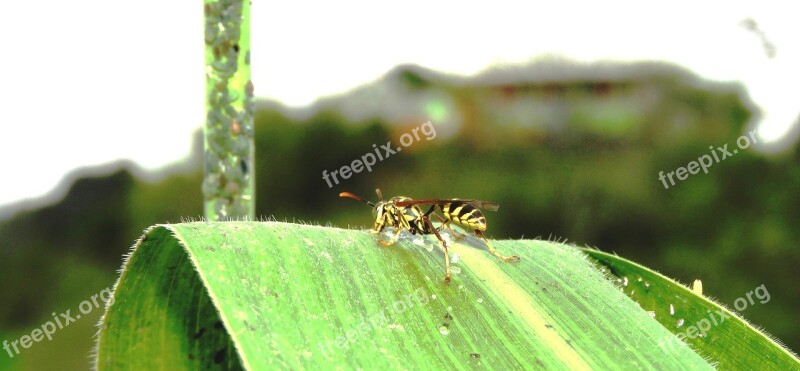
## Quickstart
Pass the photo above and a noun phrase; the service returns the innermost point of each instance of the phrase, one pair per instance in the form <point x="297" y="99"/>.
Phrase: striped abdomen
<point x="465" y="215"/>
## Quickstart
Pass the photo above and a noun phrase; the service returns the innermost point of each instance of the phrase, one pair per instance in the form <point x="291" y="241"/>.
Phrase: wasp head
<point x="382" y="210"/>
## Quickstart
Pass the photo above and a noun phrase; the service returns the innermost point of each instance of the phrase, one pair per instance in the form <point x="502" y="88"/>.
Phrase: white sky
<point x="86" y="82"/>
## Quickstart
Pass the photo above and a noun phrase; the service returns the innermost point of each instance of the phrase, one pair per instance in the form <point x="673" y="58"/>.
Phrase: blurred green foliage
<point x="734" y="228"/>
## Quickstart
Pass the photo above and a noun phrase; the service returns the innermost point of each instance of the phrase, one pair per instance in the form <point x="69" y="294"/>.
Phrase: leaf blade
<point x="296" y="296"/>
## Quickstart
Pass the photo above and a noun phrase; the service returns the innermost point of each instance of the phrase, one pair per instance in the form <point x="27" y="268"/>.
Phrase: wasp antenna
<point x="355" y="197"/>
<point x="379" y="193"/>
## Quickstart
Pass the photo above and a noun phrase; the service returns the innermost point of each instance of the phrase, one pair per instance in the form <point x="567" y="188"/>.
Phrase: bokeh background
<point x="570" y="147"/>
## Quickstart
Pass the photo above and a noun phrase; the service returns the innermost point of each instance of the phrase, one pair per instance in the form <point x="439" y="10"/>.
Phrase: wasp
<point x="404" y="213"/>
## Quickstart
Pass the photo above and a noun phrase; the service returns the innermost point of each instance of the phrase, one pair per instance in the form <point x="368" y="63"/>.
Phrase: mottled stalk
<point x="229" y="179"/>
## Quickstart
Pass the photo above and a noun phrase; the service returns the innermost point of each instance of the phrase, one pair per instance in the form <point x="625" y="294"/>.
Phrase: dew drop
<point x="444" y="330"/>
<point x="680" y="322"/>
<point x="625" y="281"/>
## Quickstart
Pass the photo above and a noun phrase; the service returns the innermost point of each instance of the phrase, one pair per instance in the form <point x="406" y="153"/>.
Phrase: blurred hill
<point x="569" y="151"/>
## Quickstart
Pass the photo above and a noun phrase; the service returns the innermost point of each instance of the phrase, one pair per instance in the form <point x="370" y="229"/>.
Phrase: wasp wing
<point x="486" y="205"/>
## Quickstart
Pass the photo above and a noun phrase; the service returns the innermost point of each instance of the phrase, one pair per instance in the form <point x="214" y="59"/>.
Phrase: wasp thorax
<point x="378" y="210"/>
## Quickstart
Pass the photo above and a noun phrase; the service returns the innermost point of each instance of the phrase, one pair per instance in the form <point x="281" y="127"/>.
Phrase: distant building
<point x="550" y="100"/>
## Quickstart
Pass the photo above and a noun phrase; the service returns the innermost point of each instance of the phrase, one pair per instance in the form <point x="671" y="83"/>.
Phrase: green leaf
<point x="712" y="330"/>
<point x="266" y="295"/>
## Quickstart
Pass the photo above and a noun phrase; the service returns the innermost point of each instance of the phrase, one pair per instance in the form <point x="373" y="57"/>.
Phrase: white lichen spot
<point x="444" y="330"/>
<point x="239" y="315"/>
<point x="396" y="327"/>
<point x="454" y="259"/>
<point x="625" y="281"/>
<point x="671" y="310"/>
<point x="419" y="241"/>
<point x="651" y="313"/>
<point x="697" y="287"/>
<point x="455" y="270"/>
<point x="449" y="308"/>
<point x="433" y="296"/>
<point x="449" y="239"/>
<point x="326" y="256"/>
<point x="480" y="300"/>
<point x="680" y="322"/>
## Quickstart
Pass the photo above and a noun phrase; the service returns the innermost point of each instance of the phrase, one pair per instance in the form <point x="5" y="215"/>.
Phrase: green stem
<point x="229" y="181"/>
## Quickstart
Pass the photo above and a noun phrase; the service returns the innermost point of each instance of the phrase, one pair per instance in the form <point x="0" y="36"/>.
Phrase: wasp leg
<point x="444" y="247"/>
<point x="493" y="251"/>
<point x="446" y="223"/>
<point x="394" y="238"/>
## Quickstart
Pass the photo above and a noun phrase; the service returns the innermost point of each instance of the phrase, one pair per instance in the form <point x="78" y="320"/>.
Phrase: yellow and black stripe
<point x="465" y="215"/>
